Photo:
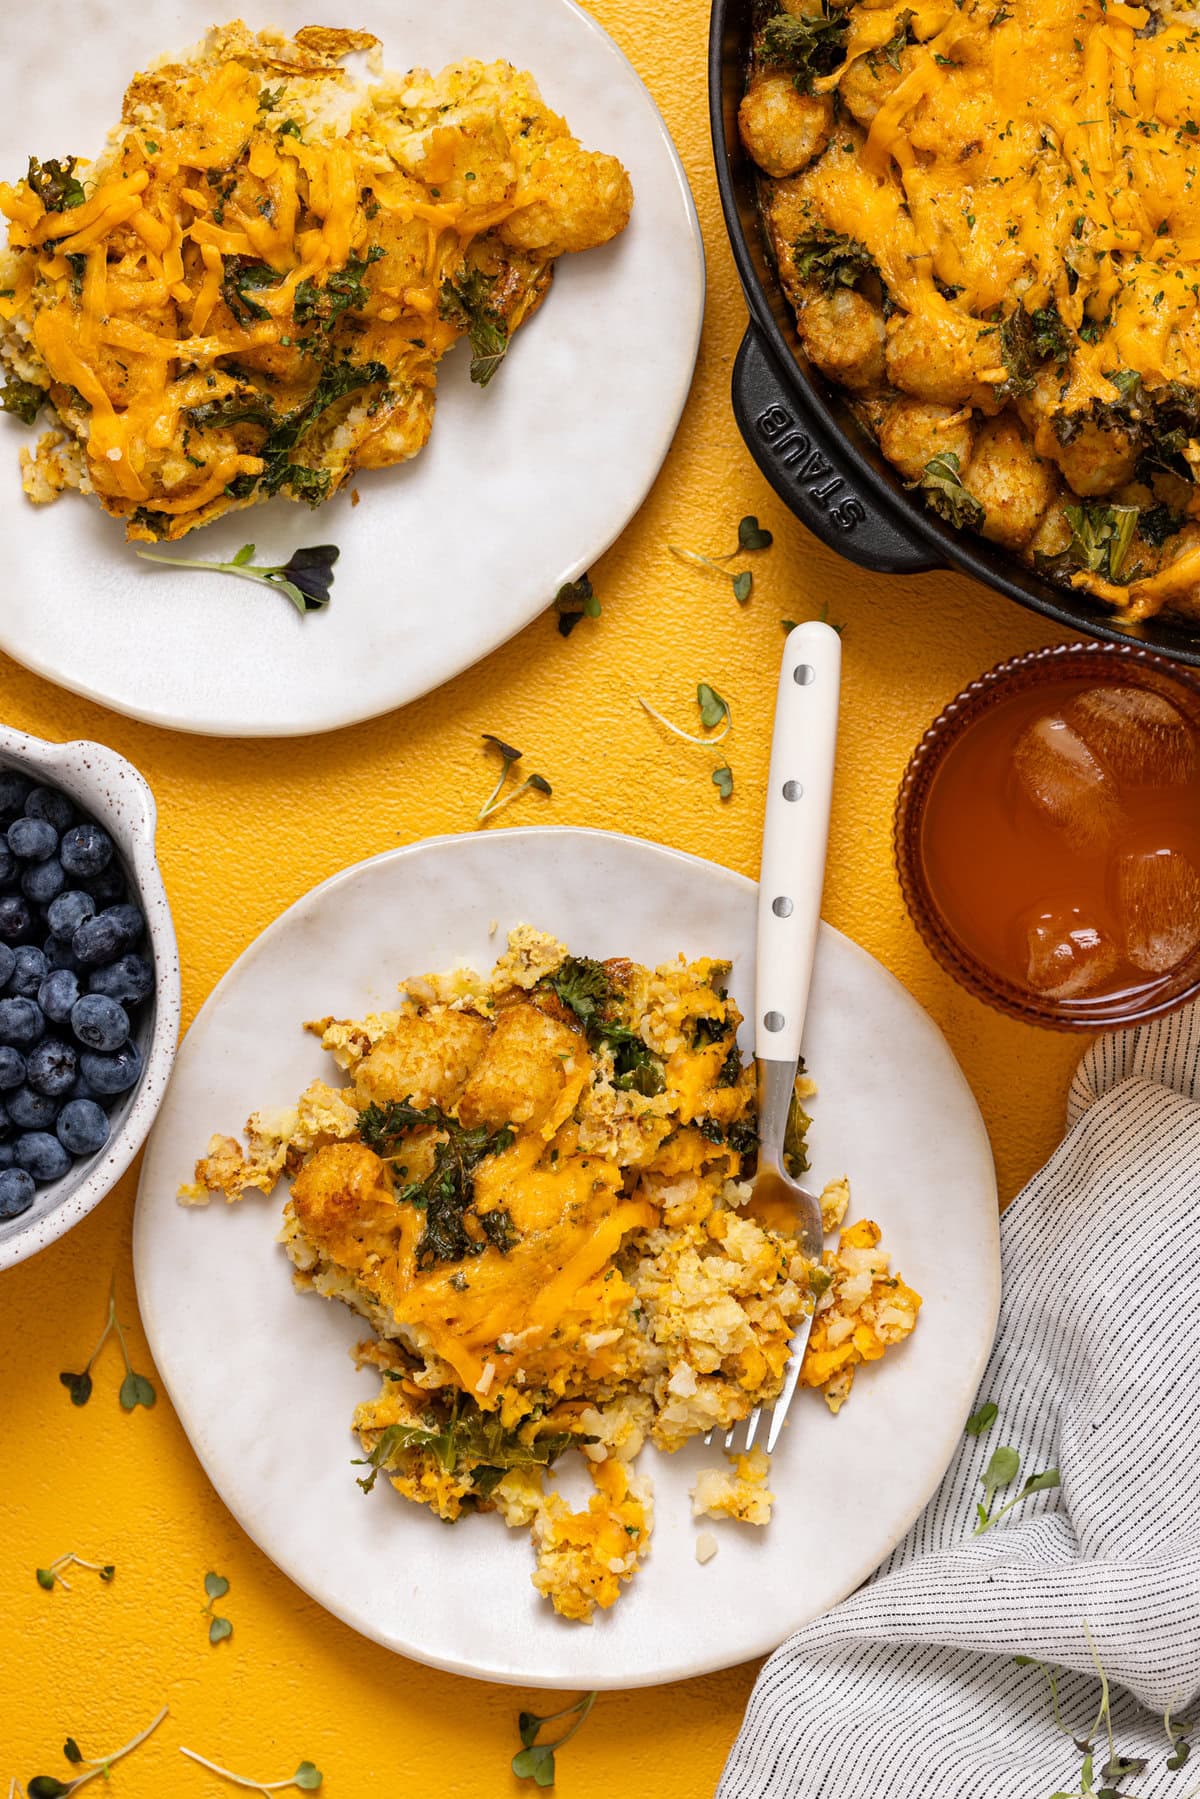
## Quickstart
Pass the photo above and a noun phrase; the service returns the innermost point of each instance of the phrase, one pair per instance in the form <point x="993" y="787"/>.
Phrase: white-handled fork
<point x="795" y="837"/>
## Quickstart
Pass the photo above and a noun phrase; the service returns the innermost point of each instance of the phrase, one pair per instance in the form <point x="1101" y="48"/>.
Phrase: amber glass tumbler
<point x="1098" y="665"/>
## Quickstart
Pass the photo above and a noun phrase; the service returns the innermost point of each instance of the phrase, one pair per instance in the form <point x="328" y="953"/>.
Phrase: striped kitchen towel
<point x="911" y="1688"/>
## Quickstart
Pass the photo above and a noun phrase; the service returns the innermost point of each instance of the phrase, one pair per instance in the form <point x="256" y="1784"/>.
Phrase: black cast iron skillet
<point x="804" y="438"/>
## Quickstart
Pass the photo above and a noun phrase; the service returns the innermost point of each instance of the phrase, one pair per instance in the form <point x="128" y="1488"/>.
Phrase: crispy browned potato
<point x="523" y="1069"/>
<point x="782" y="129"/>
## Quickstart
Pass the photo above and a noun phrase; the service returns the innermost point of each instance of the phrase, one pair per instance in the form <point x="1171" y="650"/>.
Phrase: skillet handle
<point x="808" y="468"/>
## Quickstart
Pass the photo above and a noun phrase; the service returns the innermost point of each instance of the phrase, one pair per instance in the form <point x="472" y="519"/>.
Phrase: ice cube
<point x="1068" y="785"/>
<point x="1067" y="956"/>
<point x="1158" y="902"/>
<point x="1138" y="735"/>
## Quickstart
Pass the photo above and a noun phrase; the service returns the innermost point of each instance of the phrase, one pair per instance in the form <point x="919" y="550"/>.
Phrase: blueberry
<point x="8" y="961"/>
<point x="12" y="1067"/>
<point x="43" y="881"/>
<point x="32" y="839"/>
<point x="69" y="911"/>
<point x="99" y="939"/>
<point x="130" y="980"/>
<point x="42" y="1156"/>
<point x="111" y="1074"/>
<point x="16" y="1192"/>
<point x="29" y="971"/>
<point x="129" y="920"/>
<point x="81" y="1090"/>
<point x="58" y="993"/>
<point x="21" y="1022"/>
<point x="52" y="804"/>
<point x="8" y="862"/>
<point x="50" y="1068"/>
<point x="8" y="1155"/>
<point x="31" y="1111"/>
<point x="107" y="887"/>
<point x="14" y="791"/>
<point x="16" y="919"/>
<point x="82" y="1127"/>
<point x="86" y="850"/>
<point x="60" y="955"/>
<point x="99" y="1023"/>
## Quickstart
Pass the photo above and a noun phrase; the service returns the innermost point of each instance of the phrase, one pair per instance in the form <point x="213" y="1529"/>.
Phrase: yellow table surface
<point x="245" y="828"/>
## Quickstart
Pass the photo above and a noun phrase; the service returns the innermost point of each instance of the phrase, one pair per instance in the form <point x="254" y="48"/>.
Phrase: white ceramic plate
<point x="262" y="1378"/>
<point x="522" y="485"/>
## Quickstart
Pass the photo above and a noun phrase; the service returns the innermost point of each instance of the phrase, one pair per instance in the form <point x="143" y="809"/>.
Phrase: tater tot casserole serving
<point x="533" y="1188"/>
<point x="985" y="216"/>
<point x="250" y="290"/>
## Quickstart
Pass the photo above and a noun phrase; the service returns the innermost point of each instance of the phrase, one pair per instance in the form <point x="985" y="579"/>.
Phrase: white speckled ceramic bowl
<point x="112" y="792"/>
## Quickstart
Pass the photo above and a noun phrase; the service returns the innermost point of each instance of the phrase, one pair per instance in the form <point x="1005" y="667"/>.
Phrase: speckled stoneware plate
<point x="523" y="484"/>
<point x="262" y="1377"/>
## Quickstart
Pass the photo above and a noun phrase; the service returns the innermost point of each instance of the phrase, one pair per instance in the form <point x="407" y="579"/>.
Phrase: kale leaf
<point x="946" y="495"/>
<point x="476" y="1438"/>
<point x="830" y="261"/>
<point x="1157" y="523"/>
<point x="446" y="1194"/>
<point x="583" y="985"/>
<point x="55" y="184"/>
<point x="636" y="1069"/>
<point x="244" y="275"/>
<point x="24" y="399"/>
<point x="1100" y="536"/>
<point x="1028" y="339"/>
<point x="467" y="304"/>
<point x="322" y="306"/>
<point x="806" y="47"/>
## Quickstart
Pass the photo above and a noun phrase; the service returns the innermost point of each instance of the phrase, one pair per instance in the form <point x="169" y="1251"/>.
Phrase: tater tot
<point x="843" y="334"/>
<point x="938" y="359"/>
<point x="1099" y="457"/>
<point x="866" y="84"/>
<point x="1010" y="481"/>
<point x="912" y="432"/>
<point x="782" y="128"/>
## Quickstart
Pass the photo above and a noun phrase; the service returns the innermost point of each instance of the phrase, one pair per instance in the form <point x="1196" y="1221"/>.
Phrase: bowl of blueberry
<point x="89" y="982"/>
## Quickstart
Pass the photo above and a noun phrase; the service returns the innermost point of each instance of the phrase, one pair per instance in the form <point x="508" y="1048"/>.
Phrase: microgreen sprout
<point x="1001" y="1471"/>
<point x="306" y="577"/>
<point x="535" y="1761"/>
<point x="716" y="716"/>
<point x="751" y="536"/>
<point x="51" y="1577"/>
<point x="497" y="799"/>
<point x="713" y="710"/>
<point x="307" y="1777"/>
<point x="982" y="1420"/>
<point x="1177" y="1736"/>
<point x="789" y="624"/>
<point x="135" y="1390"/>
<point x="216" y="1586"/>
<point x="46" y="1786"/>
<point x="573" y="601"/>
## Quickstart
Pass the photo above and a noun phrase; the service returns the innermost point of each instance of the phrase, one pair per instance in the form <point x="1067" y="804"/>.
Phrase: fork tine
<point x="790" y="1379"/>
<point x="752" y="1425"/>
